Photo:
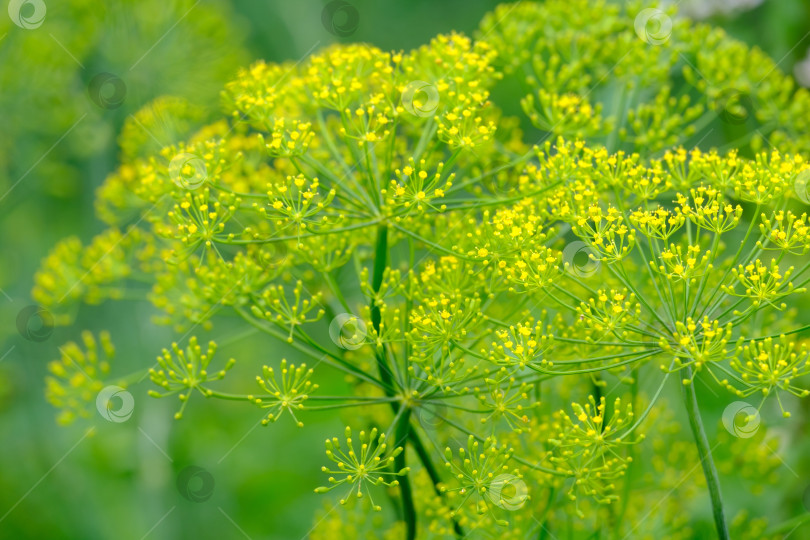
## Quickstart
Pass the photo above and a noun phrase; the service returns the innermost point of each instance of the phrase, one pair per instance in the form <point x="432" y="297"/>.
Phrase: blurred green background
<point x="57" y="145"/>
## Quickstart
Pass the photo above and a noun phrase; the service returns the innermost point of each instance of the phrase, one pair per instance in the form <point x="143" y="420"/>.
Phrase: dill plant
<point x="494" y="280"/>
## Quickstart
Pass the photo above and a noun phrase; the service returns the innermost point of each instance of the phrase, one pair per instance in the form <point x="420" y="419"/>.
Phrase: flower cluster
<point x="77" y="377"/>
<point x="184" y="371"/>
<point x="380" y="215"/>
<point x="481" y="472"/>
<point x="288" y="395"/>
<point x="589" y="444"/>
<point x="369" y="467"/>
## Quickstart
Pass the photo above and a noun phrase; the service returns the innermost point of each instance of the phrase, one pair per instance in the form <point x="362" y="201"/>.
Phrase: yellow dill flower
<point x="76" y="379"/>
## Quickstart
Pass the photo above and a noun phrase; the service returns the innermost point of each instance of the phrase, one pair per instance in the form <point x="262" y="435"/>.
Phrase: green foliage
<point x="81" y="39"/>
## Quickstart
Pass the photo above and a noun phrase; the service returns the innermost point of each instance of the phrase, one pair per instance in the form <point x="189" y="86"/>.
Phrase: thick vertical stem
<point x="380" y="263"/>
<point x="702" y="443"/>
<point x="403" y="427"/>
<point x="424" y="457"/>
<point x="631" y="466"/>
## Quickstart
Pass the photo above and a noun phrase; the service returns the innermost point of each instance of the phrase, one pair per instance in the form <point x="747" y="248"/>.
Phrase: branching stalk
<point x="706" y="461"/>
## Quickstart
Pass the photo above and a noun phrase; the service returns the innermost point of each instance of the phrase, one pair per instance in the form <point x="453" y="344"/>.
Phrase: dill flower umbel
<point x="380" y="216"/>
<point x="370" y="467"/>
<point x="78" y="376"/>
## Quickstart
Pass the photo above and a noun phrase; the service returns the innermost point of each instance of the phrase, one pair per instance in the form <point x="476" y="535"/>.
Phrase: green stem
<point x="424" y="457"/>
<point x="702" y="443"/>
<point x="380" y="263"/>
<point x="403" y="431"/>
<point x="328" y="357"/>
<point x="628" y="477"/>
<point x="336" y="291"/>
<point x="403" y="427"/>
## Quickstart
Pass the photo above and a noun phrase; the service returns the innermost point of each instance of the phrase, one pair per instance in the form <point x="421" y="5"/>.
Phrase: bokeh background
<point x="58" y="141"/>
